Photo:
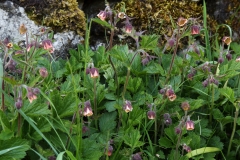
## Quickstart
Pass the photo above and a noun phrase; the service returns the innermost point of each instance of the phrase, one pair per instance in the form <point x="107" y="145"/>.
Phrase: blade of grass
<point x="37" y="130"/>
<point x="207" y="41"/>
<point x="42" y="158"/>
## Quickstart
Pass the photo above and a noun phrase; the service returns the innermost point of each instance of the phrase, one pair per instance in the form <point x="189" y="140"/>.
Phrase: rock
<point x="12" y="16"/>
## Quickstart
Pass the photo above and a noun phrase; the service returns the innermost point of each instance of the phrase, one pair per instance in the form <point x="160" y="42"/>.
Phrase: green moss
<point x="60" y="15"/>
<point x="157" y="16"/>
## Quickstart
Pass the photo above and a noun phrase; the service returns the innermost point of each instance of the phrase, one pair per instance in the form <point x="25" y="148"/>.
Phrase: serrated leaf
<point x="165" y="142"/>
<point x="131" y="138"/>
<point x="35" y="108"/>
<point x="215" y="142"/>
<point x="134" y="84"/>
<point x="217" y="114"/>
<point x="170" y="132"/>
<point x="110" y="106"/>
<point x="43" y="126"/>
<point x="195" y="104"/>
<point x="66" y="105"/>
<point x="228" y="93"/>
<point x="14" y="148"/>
<point x="6" y="134"/>
<point x="149" y="42"/>
<point x="4" y="121"/>
<point x="107" y="121"/>
<point x="154" y="68"/>
<point x="91" y="150"/>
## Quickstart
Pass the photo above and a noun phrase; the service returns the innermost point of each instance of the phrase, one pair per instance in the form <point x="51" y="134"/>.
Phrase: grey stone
<point x="12" y="16"/>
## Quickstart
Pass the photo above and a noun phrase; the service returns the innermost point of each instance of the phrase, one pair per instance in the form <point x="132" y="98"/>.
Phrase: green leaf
<point x="14" y="148"/>
<point x="110" y="106"/>
<point x="107" y="121"/>
<point x="42" y="125"/>
<point x="215" y="142"/>
<point x="66" y="105"/>
<point x="196" y="103"/>
<point x="202" y="151"/>
<point x="103" y="23"/>
<point x="217" y="114"/>
<point x="122" y="54"/>
<point x="228" y="93"/>
<point x="165" y="142"/>
<point x="170" y="132"/>
<point x="134" y="84"/>
<point x="6" y="134"/>
<point x="91" y="150"/>
<point x="154" y="68"/>
<point x="4" y="121"/>
<point x="35" y="108"/>
<point x="194" y="55"/>
<point x="149" y="42"/>
<point x="131" y="138"/>
<point x="235" y="47"/>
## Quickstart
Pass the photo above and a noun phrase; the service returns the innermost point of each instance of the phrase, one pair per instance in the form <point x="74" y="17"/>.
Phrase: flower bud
<point x="43" y="72"/>
<point x="229" y="56"/>
<point x="151" y="114"/>
<point x="19" y="103"/>
<point x="195" y="29"/>
<point x="137" y="156"/>
<point x="178" y="130"/>
<point x="185" y="106"/>
<point x="109" y="150"/>
<point x="220" y="60"/>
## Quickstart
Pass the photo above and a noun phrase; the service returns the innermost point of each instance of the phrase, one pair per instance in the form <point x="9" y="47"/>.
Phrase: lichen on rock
<point x="60" y="15"/>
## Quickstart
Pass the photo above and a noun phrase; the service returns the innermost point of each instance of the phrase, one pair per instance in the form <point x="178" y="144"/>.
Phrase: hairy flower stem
<point x="155" y="130"/>
<point x="173" y="57"/>
<point x="95" y="102"/>
<point x="212" y="105"/>
<point x="234" y="129"/>
<point x="70" y="131"/>
<point x="126" y="83"/>
<point x="19" y="124"/>
<point x="180" y="136"/>
<point x="3" y="102"/>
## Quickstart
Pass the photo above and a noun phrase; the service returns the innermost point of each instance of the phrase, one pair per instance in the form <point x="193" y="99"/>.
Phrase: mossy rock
<point x="60" y="15"/>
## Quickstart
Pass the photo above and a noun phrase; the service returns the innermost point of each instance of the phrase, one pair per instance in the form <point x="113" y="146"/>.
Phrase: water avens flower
<point x="185" y="106"/>
<point x="189" y="124"/>
<point x="22" y="29"/>
<point x="127" y="107"/>
<point x="87" y="111"/>
<point x="195" y="29"/>
<point x="121" y="15"/>
<point x="31" y="96"/>
<point x="227" y="40"/>
<point x="102" y="15"/>
<point x="109" y="150"/>
<point x="47" y="45"/>
<point x="181" y="21"/>
<point x="151" y="114"/>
